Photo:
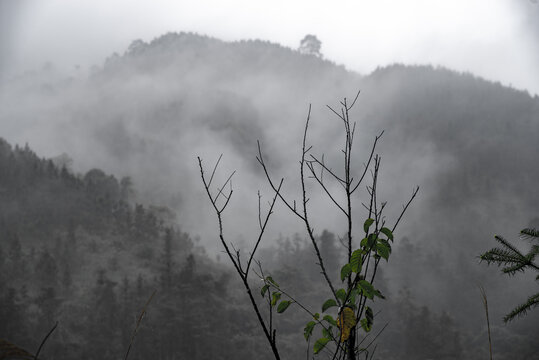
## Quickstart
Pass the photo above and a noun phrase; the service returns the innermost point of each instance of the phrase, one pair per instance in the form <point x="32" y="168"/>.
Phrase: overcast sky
<point x="496" y="39"/>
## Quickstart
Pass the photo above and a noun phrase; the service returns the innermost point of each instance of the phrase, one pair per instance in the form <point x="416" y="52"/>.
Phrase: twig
<point x="485" y="305"/>
<point x="235" y="258"/>
<point x="375" y="337"/>
<point x="321" y="183"/>
<point x="214" y="169"/>
<point x="139" y="320"/>
<point x="414" y="194"/>
<point x="45" y="339"/>
<point x="368" y="161"/>
<point x="263" y="227"/>
<point x="323" y="166"/>
<point x="303" y="216"/>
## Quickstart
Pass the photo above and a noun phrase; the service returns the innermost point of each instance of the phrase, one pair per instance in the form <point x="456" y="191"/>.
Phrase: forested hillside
<point x="75" y="250"/>
<point x="145" y="115"/>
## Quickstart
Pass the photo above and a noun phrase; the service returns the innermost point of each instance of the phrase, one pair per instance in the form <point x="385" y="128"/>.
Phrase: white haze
<point x="493" y="39"/>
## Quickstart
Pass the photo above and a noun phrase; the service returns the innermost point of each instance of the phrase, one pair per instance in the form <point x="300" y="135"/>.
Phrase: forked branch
<point x="234" y="255"/>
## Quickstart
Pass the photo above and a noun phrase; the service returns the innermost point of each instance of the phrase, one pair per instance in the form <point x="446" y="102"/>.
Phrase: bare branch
<point x="323" y="166"/>
<point x="414" y="193"/>
<point x="260" y="160"/>
<point x="263" y="228"/>
<point x="355" y="99"/>
<point x="368" y="162"/>
<point x="214" y="169"/>
<point x="259" y="211"/>
<point x="319" y="181"/>
<point x="45" y="340"/>
<point x="305" y="218"/>
<point x="220" y="192"/>
<point x="235" y="258"/>
<point x="335" y="112"/>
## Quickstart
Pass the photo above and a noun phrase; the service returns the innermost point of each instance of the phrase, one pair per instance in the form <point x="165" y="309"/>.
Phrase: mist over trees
<point x="86" y="242"/>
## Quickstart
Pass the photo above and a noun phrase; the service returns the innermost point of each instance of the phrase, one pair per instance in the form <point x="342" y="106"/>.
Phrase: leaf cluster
<point x="351" y="301"/>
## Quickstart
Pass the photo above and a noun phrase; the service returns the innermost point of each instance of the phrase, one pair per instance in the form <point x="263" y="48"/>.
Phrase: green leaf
<point x="341" y="295"/>
<point x="328" y="333"/>
<point x="365" y="325"/>
<point x="367" y="322"/>
<point x="345" y="271"/>
<point x="329" y="303"/>
<point x="270" y="279"/>
<point x="387" y="233"/>
<point x="307" y="332"/>
<point x="378" y="294"/>
<point x="283" y="306"/>
<point x="367" y="225"/>
<point x="330" y="320"/>
<point x="320" y="344"/>
<point x="316" y="316"/>
<point x="369" y="314"/>
<point x="386" y="243"/>
<point x="275" y="297"/>
<point x="383" y="250"/>
<point x="371" y="240"/>
<point x="355" y="261"/>
<point x="367" y="288"/>
<point x="352" y="298"/>
<point x="264" y="289"/>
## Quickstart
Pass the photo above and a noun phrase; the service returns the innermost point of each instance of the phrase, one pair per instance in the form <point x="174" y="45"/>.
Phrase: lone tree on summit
<point x="310" y="45"/>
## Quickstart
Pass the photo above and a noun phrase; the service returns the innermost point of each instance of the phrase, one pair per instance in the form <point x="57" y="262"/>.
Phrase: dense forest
<point x="87" y="247"/>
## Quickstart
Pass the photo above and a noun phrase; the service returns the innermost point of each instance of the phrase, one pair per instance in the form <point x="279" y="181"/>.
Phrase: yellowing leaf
<point x="346" y="322"/>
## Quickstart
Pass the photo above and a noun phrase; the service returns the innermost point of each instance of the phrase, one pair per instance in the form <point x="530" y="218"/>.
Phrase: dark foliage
<point x="97" y="259"/>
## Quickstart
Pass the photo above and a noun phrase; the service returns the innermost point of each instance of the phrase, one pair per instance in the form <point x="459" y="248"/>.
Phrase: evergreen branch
<point x="508" y="245"/>
<point x="534" y="251"/>
<point x="511" y="270"/>
<point x="499" y="256"/>
<point x="515" y="261"/>
<point x="522" y="309"/>
<point x="529" y="233"/>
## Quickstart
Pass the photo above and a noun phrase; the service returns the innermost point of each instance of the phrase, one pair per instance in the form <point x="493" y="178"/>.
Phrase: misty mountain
<point x="469" y="143"/>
